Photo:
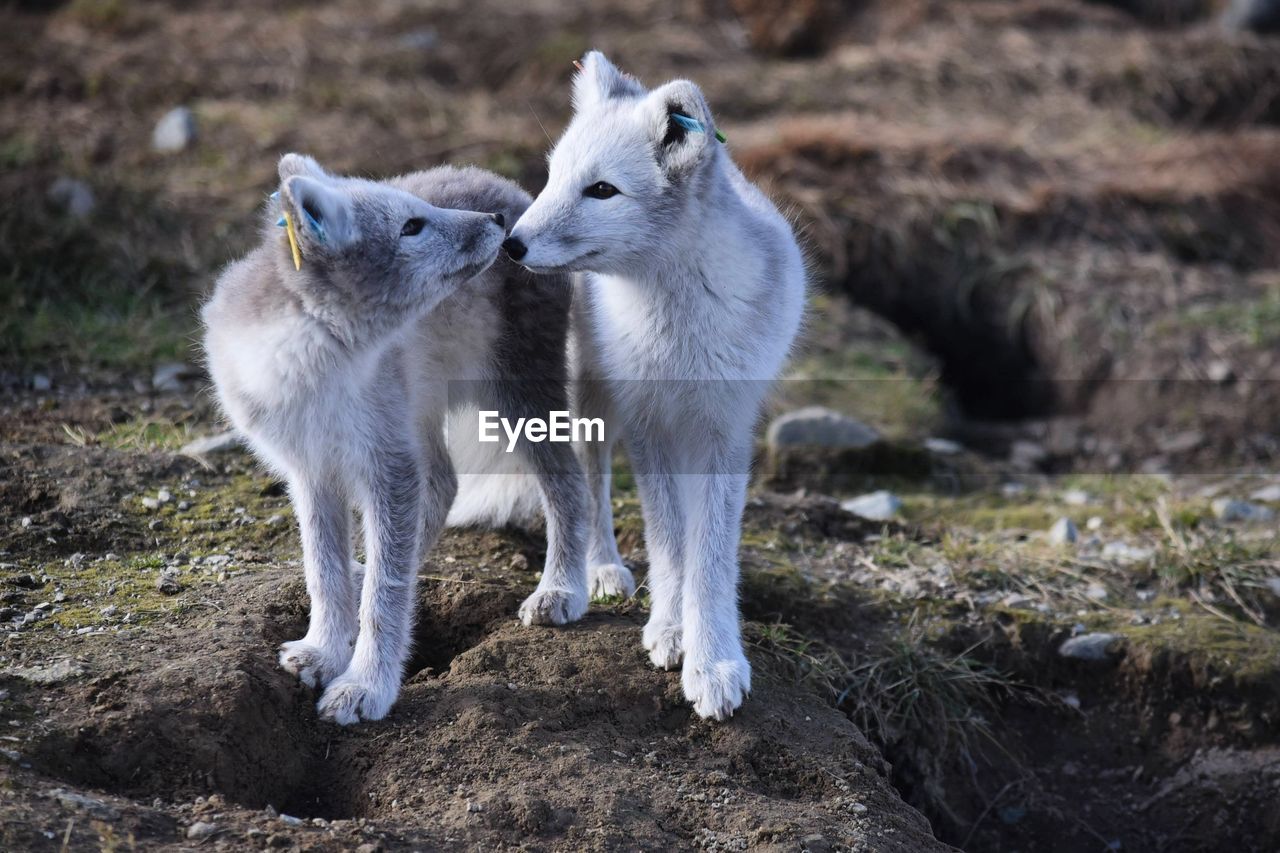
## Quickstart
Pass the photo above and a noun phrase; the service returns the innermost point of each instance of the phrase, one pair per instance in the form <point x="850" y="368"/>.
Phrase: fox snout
<point x="515" y="248"/>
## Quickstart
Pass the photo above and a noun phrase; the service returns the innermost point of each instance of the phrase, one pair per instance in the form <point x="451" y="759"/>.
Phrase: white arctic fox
<point x="335" y="356"/>
<point x="693" y="293"/>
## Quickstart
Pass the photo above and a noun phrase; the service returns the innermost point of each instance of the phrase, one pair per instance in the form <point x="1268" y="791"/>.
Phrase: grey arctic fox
<point x="334" y="347"/>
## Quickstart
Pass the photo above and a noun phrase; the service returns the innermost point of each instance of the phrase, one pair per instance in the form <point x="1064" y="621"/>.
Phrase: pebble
<point x="40" y="382"/>
<point x="1229" y="509"/>
<point x="942" y="446"/>
<point x="171" y="376"/>
<point x="1094" y="522"/>
<point x="150" y="503"/>
<point x="1090" y="647"/>
<point x="274" y="520"/>
<point x="290" y="820"/>
<point x="815" y="426"/>
<point x="26" y="521"/>
<point x="201" y="830"/>
<point x="1063" y="532"/>
<point x="167" y="582"/>
<point x="73" y="196"/>
<point x="175" y="131"/>
<point x="1076" y="497"/>
<point x="875" y="506"/>
<point x="164" y="496"/>
<point x="1267" y="494"/>
<point x="1123" y="552"/>
<point x="183" y="506"/>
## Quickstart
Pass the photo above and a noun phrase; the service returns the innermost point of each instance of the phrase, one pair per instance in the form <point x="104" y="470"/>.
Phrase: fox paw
<point x="351" y="698"/>
<point x="665" y="644"/>
<point x="611" y="579"/>
<point x="312" y="663"/>
<point x="716" y="688"/>
<point x="553" y="607"/>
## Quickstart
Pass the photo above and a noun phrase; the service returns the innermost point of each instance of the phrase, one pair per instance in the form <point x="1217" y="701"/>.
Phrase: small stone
<point x="26" y="521"/>
<point x="1090" y="647"/>
<point x="519" y="563"/>
<point x="473" y="806"/>
<point x="876" y="506"/>
<point x="212" y="444"/>
<point x="272" y="521"/>
<point x="1096" y="592"/>
<point x="1267" y="494"/>
<point x="201" y="830"/>
<point x="815" y="426"/>
<point x="1220" y="372"/>
<point x="290" y="820"/>
<point x="94" y="807"/>
<point x="1013" y="490"/>
<point x="1063" y="532"/>
<point x="41" y="383"/>
<point x="1094" y="522"/>
<point x="171" y="377"/>
<point x="164" y="496"/>
<point x="1228" y="509"/>
<point x="74" y="197"/>
<point x="370" y="847"/>
<point x="942" y="446"/>
<point x="150" y="503"/>
<point x="1122" y="552"/>
<point x="1027" y="455"/>
<point x="109" y="611"/>
<point x="1076" y="497"/>
<point x="167" y="582"/>
<point x="183" y="506"/>
<point x="175" y="131"/>
<point x="51" y="674"/>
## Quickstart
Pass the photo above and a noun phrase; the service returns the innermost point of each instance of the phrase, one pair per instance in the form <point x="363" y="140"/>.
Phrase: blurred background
<point x="1048" y="220"/>
<point x="1045" y="243"/>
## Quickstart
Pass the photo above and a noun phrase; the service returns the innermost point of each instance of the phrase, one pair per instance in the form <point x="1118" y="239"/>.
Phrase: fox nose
<point x="515" y="248"/>
<point x="499" y="218"/>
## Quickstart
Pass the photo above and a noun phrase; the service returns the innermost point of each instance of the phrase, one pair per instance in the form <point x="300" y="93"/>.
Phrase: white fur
<point x="692" y="293"/>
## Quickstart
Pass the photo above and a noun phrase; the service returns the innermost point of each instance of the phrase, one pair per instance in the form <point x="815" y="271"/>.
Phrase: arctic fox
<point x="332" y="347"/>
<point x="693" y="293"/>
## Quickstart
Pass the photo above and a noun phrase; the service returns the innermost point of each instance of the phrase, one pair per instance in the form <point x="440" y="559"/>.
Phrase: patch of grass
<point x="95" y="289"/>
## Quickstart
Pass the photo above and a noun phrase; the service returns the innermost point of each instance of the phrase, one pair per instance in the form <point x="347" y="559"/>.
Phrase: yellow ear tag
<point x="293" y="241"/>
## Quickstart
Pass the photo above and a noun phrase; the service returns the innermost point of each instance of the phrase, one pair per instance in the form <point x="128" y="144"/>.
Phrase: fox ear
<point x="300" y="164"/>
<point x="599" y="80"/>
<point x="321" y="212"/>
<point x="682" y="126"/>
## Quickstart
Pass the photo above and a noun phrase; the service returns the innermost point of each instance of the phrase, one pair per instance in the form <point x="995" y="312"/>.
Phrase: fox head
<point x="623" y="177"/>
<point x="373" y="255"/>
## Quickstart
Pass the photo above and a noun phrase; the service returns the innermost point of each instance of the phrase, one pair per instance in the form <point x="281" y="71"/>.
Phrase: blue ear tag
<point x="315" y="226"/>
<point x="280" y="222"/>
<point x="275" y="195"/>
<point x="687" y="123"/>
<point x="692" y="124"/>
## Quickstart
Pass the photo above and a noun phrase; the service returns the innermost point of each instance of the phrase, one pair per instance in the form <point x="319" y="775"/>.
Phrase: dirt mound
<point x="480" y="746"/>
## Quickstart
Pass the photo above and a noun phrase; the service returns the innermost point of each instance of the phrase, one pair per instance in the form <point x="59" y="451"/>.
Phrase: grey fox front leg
<point x="402" y="506"/>
<point x="606" y="574"/>
<point x="324" y="521"/>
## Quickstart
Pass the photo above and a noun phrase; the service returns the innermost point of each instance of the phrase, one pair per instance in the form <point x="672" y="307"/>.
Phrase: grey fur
<point x="342" y="376"/>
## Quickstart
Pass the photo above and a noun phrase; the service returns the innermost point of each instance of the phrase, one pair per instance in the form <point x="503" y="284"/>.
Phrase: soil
<point x="1052" y="220"/>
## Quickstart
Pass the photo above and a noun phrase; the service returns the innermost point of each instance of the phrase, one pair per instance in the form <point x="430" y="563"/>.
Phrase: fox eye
<point x="413" y="227"/>
<point x="600" y="190"/>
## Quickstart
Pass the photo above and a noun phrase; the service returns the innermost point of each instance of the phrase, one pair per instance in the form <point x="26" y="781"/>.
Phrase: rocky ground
<point x="1044" y="235"/>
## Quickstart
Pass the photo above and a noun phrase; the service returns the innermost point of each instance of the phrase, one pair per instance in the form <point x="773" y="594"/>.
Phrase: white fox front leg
<point x="663" y="505"/>
<point x="716" y="676"/>
<point x="393" y="509"/>
<point x="561" y="595"/>
<point x="324" y="522"/>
